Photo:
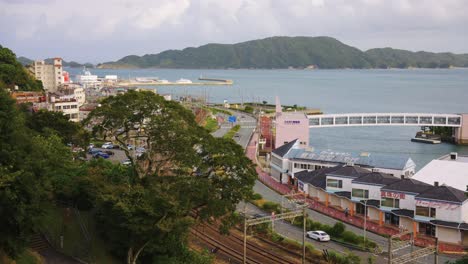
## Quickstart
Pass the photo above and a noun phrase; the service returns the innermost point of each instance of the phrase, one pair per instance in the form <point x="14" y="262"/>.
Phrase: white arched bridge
<point x="386" y="119"/>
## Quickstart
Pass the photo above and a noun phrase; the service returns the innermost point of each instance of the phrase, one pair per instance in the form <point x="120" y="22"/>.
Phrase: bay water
<point x="336" y="91"/>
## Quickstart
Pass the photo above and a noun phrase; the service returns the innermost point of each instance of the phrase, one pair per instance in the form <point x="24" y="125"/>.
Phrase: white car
<point x="318" y="235"/>
<point x="126" y="162"/>
<point x="107" y="145"/>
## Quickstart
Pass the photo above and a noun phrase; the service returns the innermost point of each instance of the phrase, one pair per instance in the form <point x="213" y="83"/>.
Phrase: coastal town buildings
<point x="293" y="157"/>
<point x="51" y="75"/>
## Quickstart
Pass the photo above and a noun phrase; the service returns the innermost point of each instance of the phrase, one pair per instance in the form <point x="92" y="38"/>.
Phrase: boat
<point x="183" y="81"/>
<point x="423" y="137"/>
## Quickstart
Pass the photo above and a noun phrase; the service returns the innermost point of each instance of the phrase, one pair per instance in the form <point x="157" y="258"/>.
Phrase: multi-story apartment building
<point x="67" y="105"/>
<point x="51" y="75"/>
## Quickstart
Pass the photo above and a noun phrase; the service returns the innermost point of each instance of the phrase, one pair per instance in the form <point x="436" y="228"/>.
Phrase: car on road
<point x="101" y="154"/>
<point x="259" y="215"/>
<point x="237" y="135"/>
<point x="318" y="235"/>
<point x="107" y="145"/>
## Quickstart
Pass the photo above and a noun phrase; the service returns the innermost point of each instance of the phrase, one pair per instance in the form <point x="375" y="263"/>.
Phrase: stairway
<point x="38" y="243"/>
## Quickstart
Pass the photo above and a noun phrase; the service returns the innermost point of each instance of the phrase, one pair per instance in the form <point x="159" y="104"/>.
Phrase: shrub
<point x="275" y="237"/>
<point x="272" y="207"/>
<point x="350" y="237"/>
<point x="337" y="229"/>
<point x="257" y="196"/>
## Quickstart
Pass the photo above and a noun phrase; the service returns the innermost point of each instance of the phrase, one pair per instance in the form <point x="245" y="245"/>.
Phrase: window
<point x="58" y="107"/>
<point x="334" y="183"/>
<point x="66" y="107"/>
<point x="426" y="211"/>
<point x="390" y="202"/>
<point x="296" y="165"/>
<point x="360" y="193"/>
<point x="303" y="166"/>
<point x="74" y="106"/>
<point x="427" y="229"/>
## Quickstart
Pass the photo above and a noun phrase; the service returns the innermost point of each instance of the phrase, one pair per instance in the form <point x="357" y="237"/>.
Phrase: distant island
<point x="73" y="64"/>
<point x="289" y="52"/>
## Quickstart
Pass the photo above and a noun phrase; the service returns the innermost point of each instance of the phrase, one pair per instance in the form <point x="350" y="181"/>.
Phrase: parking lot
<point x="118" y="157"/>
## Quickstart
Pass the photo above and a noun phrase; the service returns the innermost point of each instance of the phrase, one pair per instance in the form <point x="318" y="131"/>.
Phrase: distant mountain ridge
<point x="73" y="64"/>
<point x="285" y="52"/>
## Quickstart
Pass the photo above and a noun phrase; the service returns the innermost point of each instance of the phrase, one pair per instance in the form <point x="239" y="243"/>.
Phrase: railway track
<point x="255" y="253"/>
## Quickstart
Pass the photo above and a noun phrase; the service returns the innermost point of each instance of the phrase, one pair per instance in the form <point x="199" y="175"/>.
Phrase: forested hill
<point x="285" y="52"/>
<point x="73" y="64"/>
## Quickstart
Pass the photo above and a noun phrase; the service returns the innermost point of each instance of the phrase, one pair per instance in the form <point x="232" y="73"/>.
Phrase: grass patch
<point x="211" y="124"/>
<point x="232" y="131"/>
<point x="217" y="110"/>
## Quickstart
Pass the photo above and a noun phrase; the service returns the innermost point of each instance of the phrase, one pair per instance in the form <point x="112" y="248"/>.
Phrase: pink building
<point x="291" y="126"/>
<point x="461" y="133"/>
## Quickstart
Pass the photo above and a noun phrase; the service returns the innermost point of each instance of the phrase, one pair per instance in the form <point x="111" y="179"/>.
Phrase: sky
<point x="107" y="30"/>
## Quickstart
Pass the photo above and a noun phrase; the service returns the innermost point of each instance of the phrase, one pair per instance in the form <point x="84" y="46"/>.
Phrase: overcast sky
<point x="105" y="30"/>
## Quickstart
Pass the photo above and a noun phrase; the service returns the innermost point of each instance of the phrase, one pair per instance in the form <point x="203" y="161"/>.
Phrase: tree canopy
<point x="13" y="73"/>
<point x="183" y="170"/>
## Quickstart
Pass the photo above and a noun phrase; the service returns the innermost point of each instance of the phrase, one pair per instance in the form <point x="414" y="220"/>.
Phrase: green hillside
<point x="284" y="52"/>
<point x="13" y="73"/>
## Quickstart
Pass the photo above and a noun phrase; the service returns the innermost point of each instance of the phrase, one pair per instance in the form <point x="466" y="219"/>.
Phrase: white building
<point x="451" y="169"/>
<point x="68" y="106"/>
<point x="291" y="158"/>
<point x="51" y="75"/>
<point x="87" y="78"/>
<point x="426" y="210"/>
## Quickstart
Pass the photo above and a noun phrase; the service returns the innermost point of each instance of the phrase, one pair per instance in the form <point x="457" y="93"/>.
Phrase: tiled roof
<point x="284" y="149"/>
<point x="450" y="224"/>
<point x="349" y="171"/>
<point x="444" y="193"/>
<point x="404" y="212"/>
<point x="376" y="178"/>
<point x="317" y="178"/>
<point x="407" y="185"/>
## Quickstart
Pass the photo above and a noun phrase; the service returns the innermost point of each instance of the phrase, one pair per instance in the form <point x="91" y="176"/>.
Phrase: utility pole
<point x="436" y="252"/>
<point x="390" y="250"/>
<point x="304" y="220"/>
<point x="245" y="233"/>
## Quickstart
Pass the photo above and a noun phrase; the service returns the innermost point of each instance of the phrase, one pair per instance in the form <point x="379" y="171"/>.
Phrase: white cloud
<point x="109" y="29"/>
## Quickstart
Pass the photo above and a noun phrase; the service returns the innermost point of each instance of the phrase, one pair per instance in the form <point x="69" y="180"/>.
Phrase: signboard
<point x="440" y="205"/>
<point x="292" y="122"/>
<point x="392" y="195"/>
<point x="232" y="119"/>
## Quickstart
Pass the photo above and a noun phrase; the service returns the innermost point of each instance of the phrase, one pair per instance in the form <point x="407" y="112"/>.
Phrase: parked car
<point x="101" y="154"/>
<point x="130" y="147"/>
<point x="140" y="150"/>
<point x="107" y="145"/>
<point x="126" y="162"/>
<point x="93" y="151"/>
<point x="91" y="145"/>
<point x="116" y="147"/>
<point x="318" y="235"/>
<point x="109" y="152"/>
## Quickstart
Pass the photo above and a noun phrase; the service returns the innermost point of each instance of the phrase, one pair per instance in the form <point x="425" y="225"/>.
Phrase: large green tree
<point x="184" y="171"/>
<point x="28" y="164"/>
<point x="13" y="73"/>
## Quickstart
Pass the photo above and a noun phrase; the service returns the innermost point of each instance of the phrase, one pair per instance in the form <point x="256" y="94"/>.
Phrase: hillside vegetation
<point x="284" y="52"/>
<point x="13" y="73"/>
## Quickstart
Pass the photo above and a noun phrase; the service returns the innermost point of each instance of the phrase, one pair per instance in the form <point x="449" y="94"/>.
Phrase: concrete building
<point x="390" y="202"/>
<point x="290" y="126"/>
<point x="67" y="105"/>
<point x="292" y="158"/>
<point x="451" y="169"/>
<point x="51" y="75"/>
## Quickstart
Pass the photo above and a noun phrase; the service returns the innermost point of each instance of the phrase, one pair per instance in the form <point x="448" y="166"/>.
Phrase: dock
<point x="215" y="80"/>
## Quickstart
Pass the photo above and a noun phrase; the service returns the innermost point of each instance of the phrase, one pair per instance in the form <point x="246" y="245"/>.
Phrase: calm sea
<point x="338" y="91"/>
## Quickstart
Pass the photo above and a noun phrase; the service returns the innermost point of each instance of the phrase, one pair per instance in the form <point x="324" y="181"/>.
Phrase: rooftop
<point x="444" y="193"/>
<point x="450" y="172"/>
<point x="377" y="160"/>
<point x="283" y="150"/>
